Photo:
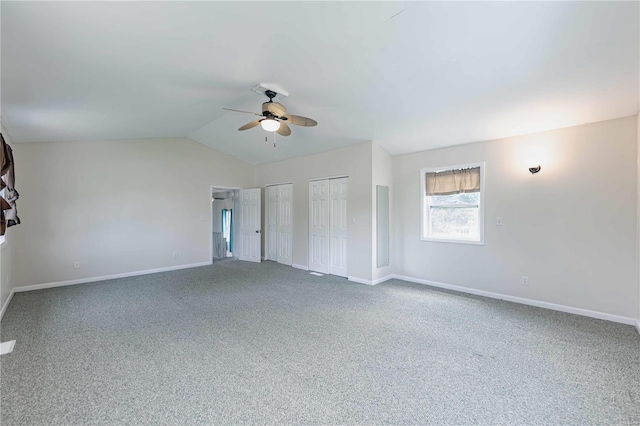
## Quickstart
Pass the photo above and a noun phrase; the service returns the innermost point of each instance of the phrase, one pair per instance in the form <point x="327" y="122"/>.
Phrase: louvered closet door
<point x="339" y="232"/>
<point x="319" y="226"/>
<point x="272" y="222"/>
<point x="285" y="227"/>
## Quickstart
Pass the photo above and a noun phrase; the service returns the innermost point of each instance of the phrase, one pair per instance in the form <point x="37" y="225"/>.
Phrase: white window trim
<point x="423" y="203"/>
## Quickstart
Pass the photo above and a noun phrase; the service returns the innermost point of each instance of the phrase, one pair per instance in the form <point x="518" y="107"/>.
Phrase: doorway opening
<point x="235" y="224"/>
<point x="223" y="207"/>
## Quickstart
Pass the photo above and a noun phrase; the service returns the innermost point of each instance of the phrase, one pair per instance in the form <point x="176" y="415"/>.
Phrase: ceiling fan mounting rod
<point x="270" y="94"/>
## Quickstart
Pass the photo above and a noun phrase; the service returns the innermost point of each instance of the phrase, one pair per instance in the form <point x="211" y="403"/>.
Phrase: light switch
<point x="498" y="221"/>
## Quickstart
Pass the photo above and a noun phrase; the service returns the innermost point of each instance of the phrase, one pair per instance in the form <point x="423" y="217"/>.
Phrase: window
<point x="452" y="204"/>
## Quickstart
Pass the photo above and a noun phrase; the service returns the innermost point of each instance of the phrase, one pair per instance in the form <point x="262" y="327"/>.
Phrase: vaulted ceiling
<point x="410" y="76"/>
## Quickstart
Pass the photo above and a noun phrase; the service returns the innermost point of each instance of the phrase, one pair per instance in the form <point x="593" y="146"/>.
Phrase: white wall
<point x="6" y="248"/>
<point x="6" y="283"/>
<point x="353" y="161"/>
<point x="382" y="174"/>
<point x="126" y="206"/>
<point x="638" y="211"/>
<point x="571" y="228"/>
<point x="116" y="206"/>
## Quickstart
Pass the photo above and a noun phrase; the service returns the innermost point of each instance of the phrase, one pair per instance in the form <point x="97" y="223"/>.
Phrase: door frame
<point x="211" y="188"/>
<point x="328" y="177"/>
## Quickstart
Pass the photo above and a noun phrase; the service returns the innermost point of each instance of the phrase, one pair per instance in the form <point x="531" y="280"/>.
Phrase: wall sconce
<point x="534" y="170"/>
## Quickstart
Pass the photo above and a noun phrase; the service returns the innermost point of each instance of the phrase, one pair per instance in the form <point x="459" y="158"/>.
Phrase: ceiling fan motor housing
<point x="274" y="108"/>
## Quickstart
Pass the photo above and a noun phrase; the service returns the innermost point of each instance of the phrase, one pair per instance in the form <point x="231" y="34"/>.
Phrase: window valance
<point x="449" y="182"/>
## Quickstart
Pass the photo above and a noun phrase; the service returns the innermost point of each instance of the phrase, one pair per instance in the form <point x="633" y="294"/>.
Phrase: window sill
<point x="444" y="240"/>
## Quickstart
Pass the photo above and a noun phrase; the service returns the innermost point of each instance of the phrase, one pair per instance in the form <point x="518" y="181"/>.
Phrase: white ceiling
<point x="411" y="76"/>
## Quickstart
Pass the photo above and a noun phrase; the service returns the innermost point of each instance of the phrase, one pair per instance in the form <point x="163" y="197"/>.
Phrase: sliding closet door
<point x="272" y="222"/>
<point x="338" y="226"/>
<point x="285" y="227"/>
<point x="319" y="226"/>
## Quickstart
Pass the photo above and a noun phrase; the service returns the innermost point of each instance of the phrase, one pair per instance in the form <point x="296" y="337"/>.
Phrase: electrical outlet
<point x="498" y="221"/>
<point x="76" y="265"/>
<point x="525" y="280"/>
<point x="175" y="254"/>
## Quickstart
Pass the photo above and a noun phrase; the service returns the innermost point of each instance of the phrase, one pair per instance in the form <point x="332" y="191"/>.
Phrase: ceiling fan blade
<point x="300" y="121"/>
<point x="246" y="112"/>
<point x="274" y="108"/>
<point x="283" y="130"/>
<point x="250" y="125"/>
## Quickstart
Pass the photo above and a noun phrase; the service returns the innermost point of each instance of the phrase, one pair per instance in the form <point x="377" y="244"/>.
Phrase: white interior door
<point x="339" y="232"/>
<point x="285" y="227"/>
<point x="235" y="221"/>
<point x="250" y="225"/>
<point x="319" y="226"/>
<point x="272" y="222"/>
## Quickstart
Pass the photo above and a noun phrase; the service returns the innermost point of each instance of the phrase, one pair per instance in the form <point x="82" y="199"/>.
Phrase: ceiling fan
<point x="275" y="118"/>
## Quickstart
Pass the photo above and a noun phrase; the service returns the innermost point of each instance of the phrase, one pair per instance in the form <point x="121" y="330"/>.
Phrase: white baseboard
<point x="108" y="277"/>
<point x="361" y="280"/>
<point x="521" y="300"/>
<point x="371" y="282"/>
<point x="6" y="304"/>
<point x="383" y="279"/>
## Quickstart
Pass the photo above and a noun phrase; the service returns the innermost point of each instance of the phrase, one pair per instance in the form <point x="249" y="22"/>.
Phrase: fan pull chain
<point x="266" y="139"/>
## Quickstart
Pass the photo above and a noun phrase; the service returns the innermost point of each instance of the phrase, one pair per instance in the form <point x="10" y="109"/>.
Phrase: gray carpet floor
<point x="238" y="343"/>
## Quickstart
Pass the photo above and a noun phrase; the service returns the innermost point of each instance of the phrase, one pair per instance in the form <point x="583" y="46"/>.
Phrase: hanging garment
<point x="9" y="212"/>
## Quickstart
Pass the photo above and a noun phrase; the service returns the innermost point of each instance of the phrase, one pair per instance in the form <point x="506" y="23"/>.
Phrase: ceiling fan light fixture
<point x="274" y="117"/>
<point x="270" y="125"/>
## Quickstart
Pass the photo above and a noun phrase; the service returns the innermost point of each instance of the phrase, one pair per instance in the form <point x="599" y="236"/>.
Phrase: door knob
<point x="258" y="231"/>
